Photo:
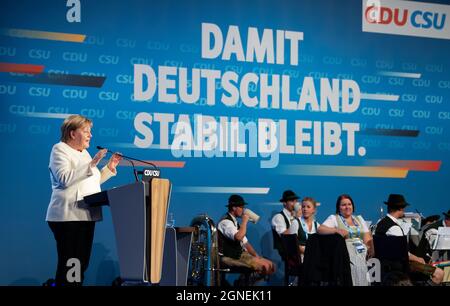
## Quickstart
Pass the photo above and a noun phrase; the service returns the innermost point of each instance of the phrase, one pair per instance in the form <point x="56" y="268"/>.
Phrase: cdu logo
<point x="74" y="57"/>
<point x="8" y="90"/>
<point x="406" y="18"/>
<point x="148" y="174"/>
<point x="7" y="51"/>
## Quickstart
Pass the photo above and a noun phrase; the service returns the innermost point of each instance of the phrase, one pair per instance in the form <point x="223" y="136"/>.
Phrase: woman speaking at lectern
<point x="73" y="175"/>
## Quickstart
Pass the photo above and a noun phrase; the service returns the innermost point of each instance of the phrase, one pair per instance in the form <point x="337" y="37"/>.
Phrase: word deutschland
<point x="168" y="84"/>
<point x="272" y="91"/>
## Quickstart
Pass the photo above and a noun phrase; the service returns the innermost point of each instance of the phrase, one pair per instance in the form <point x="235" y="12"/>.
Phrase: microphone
<point x="131" y="159"/>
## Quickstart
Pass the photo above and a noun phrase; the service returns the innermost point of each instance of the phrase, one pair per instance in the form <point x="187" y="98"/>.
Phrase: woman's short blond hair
<point x="72" y="123"/>
<point x="312" y="200"/>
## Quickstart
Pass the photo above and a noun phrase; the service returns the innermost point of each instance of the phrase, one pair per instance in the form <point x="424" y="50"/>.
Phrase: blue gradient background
<point x="331" y="29"/>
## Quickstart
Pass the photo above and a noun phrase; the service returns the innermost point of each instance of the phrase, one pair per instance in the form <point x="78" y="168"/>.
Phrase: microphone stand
<point x="131" y="160"/>
<point x="134" y="169"/>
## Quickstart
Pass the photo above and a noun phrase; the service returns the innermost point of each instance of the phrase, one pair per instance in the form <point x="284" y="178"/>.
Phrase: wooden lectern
<point x="139" y="213"/>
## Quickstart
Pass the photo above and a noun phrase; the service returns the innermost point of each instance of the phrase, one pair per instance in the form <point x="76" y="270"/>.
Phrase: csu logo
<point x="124" y="79"/>
<point x="406" y="18"/>
<point x="409" y="98"/>
<point x="108" y="59"/>
<point x="108" y="96"/>
<point x="444" y="115"/>
<point x="148" y="174"/>
<point x="125" y="115"/>
<point x="418" y="19"/>
<point x="125" y="43"/>
<point x="37" y="53"/>
<point x="39" y="91"/>
<point x="395" y="112"/>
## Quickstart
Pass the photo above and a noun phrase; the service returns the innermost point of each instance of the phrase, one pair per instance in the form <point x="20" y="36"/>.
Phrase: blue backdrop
<point x="404" y="113"/>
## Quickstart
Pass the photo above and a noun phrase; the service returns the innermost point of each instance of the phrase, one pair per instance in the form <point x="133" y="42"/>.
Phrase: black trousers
<point x="73" y="240"/>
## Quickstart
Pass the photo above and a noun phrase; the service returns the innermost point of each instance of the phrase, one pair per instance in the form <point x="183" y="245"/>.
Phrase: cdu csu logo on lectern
<point x="148" y="174"/>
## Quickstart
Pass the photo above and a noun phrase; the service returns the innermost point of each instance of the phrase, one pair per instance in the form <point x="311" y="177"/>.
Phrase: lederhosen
<point x="383" y="226"/>
<point x="227" y="247"/>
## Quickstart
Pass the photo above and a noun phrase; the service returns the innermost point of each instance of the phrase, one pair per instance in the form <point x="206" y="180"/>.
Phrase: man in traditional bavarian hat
<point x="391" y="225"/>
<point x="285" y="222"/>
<point x="234" y="247"/>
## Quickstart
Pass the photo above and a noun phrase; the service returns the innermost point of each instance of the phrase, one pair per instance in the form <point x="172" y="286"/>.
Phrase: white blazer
<point x="72" y="178"/>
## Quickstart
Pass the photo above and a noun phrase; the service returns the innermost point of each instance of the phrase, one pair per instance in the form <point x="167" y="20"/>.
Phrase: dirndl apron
<point x="357" y="251"/>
